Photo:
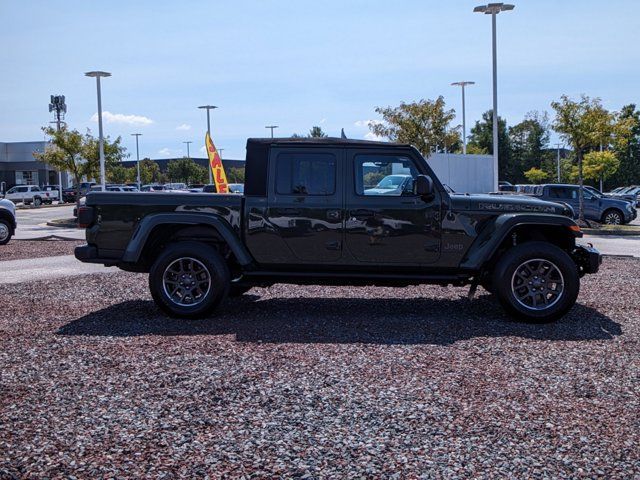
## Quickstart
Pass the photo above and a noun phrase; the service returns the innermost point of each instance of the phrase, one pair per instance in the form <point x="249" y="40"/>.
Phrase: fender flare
<point x="487" y="243"/>
<point x="147" y="224"/>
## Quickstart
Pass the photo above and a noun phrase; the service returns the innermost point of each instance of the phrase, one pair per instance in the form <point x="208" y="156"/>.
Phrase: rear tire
<point x="37" y="201"/>
<point x="536" y="282"/>
<point x="189" y="280"/>
<point x="5" y="232"/>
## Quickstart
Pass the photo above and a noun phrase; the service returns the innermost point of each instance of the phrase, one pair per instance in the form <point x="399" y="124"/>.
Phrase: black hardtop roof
<point x="326" y="141"/>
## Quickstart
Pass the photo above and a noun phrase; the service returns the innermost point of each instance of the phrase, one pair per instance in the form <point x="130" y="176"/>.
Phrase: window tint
<point x="306" y="174"/>
<point x="567" y="193"/>
<point x="387" y="175"/>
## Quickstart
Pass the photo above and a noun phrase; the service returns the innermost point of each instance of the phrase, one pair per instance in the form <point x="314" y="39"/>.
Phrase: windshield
<point x="594" y="192"/>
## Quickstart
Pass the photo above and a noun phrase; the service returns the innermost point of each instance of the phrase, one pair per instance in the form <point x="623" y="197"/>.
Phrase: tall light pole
<point x="271" y="127"/>
<point x="558" y="145"/>
<point x="209" y="108"/>
<point x="97" y="75"/>
<point x="188" y="154"/>
<point x="137" y="157"/>
<point x="494" y="9"/>
<point x="464" y="115"/>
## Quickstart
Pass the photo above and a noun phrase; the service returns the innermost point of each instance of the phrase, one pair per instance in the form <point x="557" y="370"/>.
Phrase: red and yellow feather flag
<point x="215" y="162"/>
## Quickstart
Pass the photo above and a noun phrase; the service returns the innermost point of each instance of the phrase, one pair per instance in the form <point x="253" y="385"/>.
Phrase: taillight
<point x="85" y="216"/>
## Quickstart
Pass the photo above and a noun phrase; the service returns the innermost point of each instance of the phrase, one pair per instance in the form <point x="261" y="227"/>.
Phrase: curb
<point x="604" y="233"/>
<point x="47" y="238"/>
<point x="62" y="223"/>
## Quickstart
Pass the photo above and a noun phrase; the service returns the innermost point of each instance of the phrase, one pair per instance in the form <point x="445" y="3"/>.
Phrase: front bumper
<point x="587" y="258"/>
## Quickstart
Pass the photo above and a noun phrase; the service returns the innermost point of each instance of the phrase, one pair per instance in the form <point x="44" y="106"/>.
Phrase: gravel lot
<point x="20" y="249"/>
<point x="318" y="382"/>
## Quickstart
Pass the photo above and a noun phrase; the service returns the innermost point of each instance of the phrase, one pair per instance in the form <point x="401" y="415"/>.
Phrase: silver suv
<point x="7" y="221"/>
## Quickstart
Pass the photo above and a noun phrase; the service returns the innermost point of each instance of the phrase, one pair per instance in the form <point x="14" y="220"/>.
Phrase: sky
<point x="298" y="63"/>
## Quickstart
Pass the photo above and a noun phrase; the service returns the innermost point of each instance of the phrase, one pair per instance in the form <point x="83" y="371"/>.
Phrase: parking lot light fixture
<point x="464" y="120"/>
<point x="272" y="128"/>
<point x="97" y="74"/>
<point x="494" y="9"/>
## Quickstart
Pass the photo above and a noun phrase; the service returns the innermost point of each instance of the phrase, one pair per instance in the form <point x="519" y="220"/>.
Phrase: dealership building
<point x="19" y="167"/>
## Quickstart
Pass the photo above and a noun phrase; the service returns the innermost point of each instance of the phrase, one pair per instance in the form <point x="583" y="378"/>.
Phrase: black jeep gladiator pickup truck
<point x="339" y="212"/>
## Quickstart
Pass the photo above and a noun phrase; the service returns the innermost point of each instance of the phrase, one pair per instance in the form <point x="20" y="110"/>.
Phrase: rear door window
<point x="306" y="174"/>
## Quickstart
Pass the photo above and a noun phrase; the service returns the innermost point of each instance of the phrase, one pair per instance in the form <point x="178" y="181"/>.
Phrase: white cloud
<point x="184" y="126"/>
<point x="203" y="149"/>
<point x="109" y="117"/>
<point x="366" y="123"/>
<point x="164" y="152"/>
<point x="374" y="137"/>
<point x="323" y="121"/>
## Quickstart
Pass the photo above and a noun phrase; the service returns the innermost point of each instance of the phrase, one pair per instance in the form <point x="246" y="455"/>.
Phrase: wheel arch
<point x="512" y="229"/>
<point x="157" y="230"/>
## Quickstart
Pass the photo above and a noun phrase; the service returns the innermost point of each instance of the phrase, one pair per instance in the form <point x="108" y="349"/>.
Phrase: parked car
<point x="304" y="219"/>
<point x="629" y="198"/>
<point x="27" y="195"/>
<point x="70" y="195"/>
<point x="7" y="220"/>
<point x="153" y="188"/>
<point x="236" y="188"/>
<point x="597" y="207"/>
<point x="392" y="185"/>
<point x="53" y="191"/>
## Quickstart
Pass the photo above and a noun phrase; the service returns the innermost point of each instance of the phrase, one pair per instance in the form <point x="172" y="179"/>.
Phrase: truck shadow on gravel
<point x="345" y="320"/>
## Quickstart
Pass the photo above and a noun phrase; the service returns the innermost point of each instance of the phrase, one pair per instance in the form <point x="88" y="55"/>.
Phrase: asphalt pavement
<point x="19" y="271"/>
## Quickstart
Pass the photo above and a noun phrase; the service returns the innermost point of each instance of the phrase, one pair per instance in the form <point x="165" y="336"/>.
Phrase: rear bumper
<point x="89" y="254"/>
<point x="588" y="259"/>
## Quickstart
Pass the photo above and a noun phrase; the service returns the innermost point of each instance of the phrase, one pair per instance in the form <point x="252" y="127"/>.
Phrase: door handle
<point x="361" y="213"/>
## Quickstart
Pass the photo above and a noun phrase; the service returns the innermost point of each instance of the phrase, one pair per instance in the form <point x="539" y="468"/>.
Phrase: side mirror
<point x="424" y="186"/>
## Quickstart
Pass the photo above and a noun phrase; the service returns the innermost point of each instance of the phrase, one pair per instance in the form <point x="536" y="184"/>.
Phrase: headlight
<point x="630" y="207"/>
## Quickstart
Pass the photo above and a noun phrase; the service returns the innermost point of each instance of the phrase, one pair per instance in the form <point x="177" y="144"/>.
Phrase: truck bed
<point x="119" y="213"/>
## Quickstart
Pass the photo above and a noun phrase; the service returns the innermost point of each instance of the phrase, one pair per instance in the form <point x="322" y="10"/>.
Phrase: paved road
<point x="18" y="271"/>
<point x="614" y="245"/>
<point x="32" y="223"/>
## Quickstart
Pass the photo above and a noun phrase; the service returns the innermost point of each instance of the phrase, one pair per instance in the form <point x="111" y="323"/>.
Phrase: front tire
<point x="536" y="282"/>
<point x="5" y="232"/>
<point x="189" y="280"/>
<point x="612" y="217"/>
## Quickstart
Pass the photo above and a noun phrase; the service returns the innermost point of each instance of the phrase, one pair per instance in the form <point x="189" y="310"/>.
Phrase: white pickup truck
<point x="28" y="194"/>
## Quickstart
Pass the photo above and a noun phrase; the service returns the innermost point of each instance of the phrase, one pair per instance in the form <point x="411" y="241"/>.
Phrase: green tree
<point x="581" y="124"/>
<point x="600" y="166"/>
<point x="120" y="174"/>
<point x="64" y="153"/>
<point x="149" y="171"/>
<point x="481" y="139"/>
<point x="316" y="132"/>
<point x="536" y="175"/>
<point x="186" y="170"/>
<point x="528" y="143"/>
<point x="114" y="153"/>
<point x="235" y="175"/>
<point x="423" y="124"/>
<point x="627" y="152"/>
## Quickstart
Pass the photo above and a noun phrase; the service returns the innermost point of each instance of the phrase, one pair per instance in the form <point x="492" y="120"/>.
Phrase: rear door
<point x="305" y="206"/>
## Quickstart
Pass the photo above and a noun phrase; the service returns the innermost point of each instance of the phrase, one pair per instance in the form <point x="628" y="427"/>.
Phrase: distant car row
<point x="610" y="208"/>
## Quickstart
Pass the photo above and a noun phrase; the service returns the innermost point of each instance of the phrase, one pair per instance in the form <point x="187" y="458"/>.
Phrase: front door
<point x="306" y="203"/>
<point x="386" y="223"/>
